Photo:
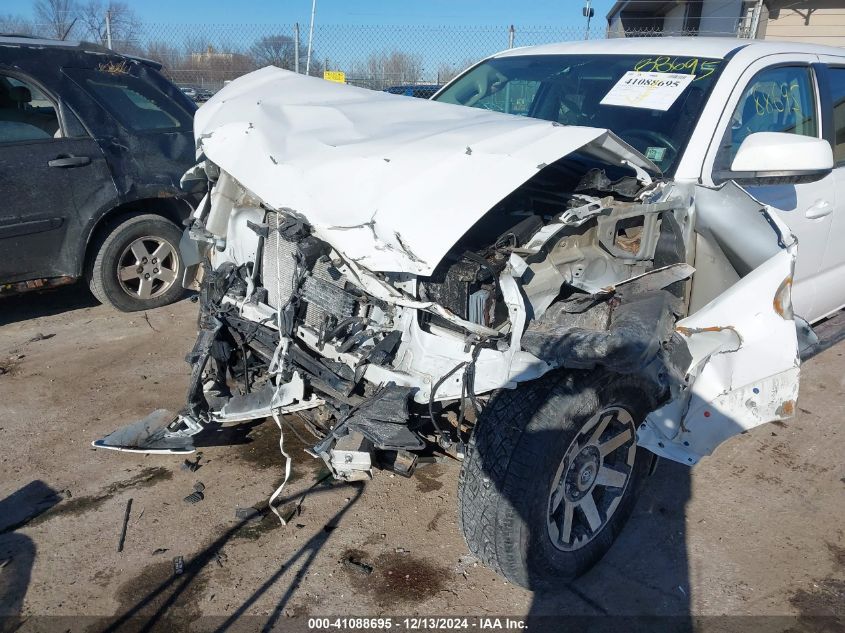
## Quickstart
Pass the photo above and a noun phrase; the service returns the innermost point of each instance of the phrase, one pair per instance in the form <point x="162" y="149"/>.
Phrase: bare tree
<point x="124" y="23"/>
<point x="317" y="67"/>
<point x="165" y="54"/>
<point x="448" y="70"/>
<point x="394" y="68"/>
<point x="16" y="24"/>
<point x="196" y="43"/>
<point x="56" y="18"/>
<point x="208" y="66"/>
<point x="280" y="50"/>
<point x="274" y="50"/>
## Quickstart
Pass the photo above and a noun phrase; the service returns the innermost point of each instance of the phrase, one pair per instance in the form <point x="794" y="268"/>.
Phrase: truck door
<point x="831" y="296"/>
<point x="780" y="94"/>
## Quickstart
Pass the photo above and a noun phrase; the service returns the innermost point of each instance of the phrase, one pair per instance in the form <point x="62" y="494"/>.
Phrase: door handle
<point x="819" y="209"/>
<point x="69" y="161"/>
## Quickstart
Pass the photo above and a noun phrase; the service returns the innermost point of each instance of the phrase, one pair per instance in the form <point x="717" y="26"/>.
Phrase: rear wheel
<point x="552" y="472"/>
<point x="136" y="265"/>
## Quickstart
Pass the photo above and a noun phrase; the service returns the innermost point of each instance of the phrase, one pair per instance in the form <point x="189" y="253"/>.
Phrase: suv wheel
<point x="552" y="472"/>
<point x="136" y="265"/>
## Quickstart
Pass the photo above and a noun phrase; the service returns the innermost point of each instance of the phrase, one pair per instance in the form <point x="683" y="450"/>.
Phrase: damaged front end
<point x="379" y="266"/>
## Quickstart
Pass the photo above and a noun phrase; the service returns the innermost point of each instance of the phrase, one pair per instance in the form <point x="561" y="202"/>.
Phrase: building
<point x="813" y="21"/>
<point x="818" y="21"/>
<point x="210" y="56"/>
<point x="674" y="17"/>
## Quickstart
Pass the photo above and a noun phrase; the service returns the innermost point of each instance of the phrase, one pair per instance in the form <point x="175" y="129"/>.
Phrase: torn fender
<point x="390" y="183"/>
<point x="743" y="344"/>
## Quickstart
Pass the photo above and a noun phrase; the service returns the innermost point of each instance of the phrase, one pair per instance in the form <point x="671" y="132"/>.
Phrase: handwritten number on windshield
<point x="694" y="66"/>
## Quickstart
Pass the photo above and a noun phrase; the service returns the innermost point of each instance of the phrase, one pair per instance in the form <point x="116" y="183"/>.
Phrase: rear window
<point x="136" y="104"/>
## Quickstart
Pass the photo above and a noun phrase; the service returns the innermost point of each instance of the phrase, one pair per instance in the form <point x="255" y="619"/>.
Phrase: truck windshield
<point x="652" y="102"/>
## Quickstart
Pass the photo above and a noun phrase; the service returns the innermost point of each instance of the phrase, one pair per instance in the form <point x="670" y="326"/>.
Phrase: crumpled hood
<point x="389" y="181"/>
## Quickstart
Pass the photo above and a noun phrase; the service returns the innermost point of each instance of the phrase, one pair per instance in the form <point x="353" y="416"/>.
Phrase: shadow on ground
<point x="17" y="551"/>
<point x="170" y="604"/>
<point x="36" y="304"/>
<point x="44" y="303"/>
<point x="830" y="332"/>
<point x="644" y="576"/>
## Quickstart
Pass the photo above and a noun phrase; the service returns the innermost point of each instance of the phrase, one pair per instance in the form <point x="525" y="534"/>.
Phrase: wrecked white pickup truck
<point x="533" y="298"/>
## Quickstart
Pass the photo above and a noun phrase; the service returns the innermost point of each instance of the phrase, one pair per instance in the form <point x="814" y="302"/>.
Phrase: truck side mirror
<point x="779" y="155"/>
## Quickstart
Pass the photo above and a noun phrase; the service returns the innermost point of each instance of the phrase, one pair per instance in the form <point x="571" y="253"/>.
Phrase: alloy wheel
<point x="592" y="478"/>
<point x="148" y="267"/>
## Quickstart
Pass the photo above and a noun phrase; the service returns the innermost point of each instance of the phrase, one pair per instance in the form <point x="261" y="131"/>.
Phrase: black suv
<point x="92" y="147"/>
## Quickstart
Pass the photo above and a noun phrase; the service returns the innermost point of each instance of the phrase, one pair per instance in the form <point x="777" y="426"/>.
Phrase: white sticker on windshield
<point x="653" y="91"/>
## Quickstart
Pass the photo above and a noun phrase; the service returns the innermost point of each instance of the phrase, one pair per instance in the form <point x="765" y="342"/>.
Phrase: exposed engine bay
<point x="385" y="324"/>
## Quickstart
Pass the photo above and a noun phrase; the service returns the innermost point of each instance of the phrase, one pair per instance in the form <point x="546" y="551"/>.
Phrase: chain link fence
<point x="376" y="57"/>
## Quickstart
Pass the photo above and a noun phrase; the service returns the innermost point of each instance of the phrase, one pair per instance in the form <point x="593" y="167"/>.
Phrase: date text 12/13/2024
<point x="416" y="624"/>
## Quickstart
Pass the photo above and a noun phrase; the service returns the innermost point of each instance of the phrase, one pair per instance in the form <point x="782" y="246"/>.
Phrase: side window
<point x="26" y="114"/>
<point x="776" y="100"/>
<point x="837" y="93"/>
<point x="136" y="104"/>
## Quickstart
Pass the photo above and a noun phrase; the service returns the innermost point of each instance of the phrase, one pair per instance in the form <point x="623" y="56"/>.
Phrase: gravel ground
<point x="754" y="530"/>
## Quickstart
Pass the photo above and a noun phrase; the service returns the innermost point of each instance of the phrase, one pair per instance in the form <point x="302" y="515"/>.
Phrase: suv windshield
<point x="653" y="103"/>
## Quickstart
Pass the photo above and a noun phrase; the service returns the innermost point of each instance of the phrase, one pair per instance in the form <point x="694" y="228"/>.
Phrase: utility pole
<point x="310" y="37"/>
<point x="511" y="35"/>
<point x="588" y="12"/>
<point x="108" y="27"/>
<point x="296" y="47"/>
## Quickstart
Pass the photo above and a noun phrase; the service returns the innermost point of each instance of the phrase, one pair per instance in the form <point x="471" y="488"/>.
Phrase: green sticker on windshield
<point x="655" y="153"/>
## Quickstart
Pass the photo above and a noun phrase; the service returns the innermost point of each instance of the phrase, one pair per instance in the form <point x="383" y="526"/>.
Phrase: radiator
<point x="278" y="265"/>
<point x="322" y="289"/>
<point x="324" y="294"/>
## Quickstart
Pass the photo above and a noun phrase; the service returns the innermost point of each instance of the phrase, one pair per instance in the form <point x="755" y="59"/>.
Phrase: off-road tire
<point x="105" y="252"/>
<point x="512" y="459"/>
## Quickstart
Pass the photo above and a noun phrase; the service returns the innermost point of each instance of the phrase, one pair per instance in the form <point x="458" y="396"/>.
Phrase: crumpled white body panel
<point x="390" y="182"/>
<point x="744" y="361"/>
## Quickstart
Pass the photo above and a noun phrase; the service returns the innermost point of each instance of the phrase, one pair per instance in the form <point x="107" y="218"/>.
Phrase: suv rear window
<point x="136" y="104"/>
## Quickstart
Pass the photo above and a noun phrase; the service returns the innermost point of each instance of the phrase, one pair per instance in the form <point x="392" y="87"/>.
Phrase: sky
<point x="421" y="12"/>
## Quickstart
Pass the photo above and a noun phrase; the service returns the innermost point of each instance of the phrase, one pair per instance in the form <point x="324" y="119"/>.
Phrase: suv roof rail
<point x="80" y="46"/>
<point x="39" y="40"/>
